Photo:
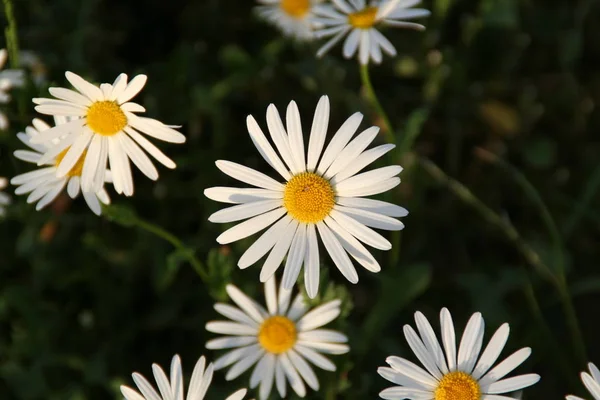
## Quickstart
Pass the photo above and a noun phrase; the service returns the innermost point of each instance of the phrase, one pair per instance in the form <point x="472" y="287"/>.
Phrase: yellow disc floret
<point x="277" y="334"/>
<point x="308" y="197"/>
<point x="295" y="8"/>
<point x="77" y="168"/>
<point x="457" y="386"/>
<point x="363" y="19"/>
<point x="106" y="118"/>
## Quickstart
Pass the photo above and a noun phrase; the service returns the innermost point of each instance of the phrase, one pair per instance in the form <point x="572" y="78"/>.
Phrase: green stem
<point x="12" y="41"/>
<point x="583" y="204"/>
<point x="530" y="255"/>
<point x="128" y="218"/>
<point x="560" y="280"/>
<point x="176" y="242"/>
<point x="387" y="126"/>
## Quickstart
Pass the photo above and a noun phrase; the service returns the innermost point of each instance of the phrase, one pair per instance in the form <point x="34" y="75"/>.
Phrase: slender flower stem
<point x="12" y="40"/>
<point x="560" y="281"/>
<point x="529" y="254"/>
<point x="387" y="126"/>
<point x="127" y="218"/>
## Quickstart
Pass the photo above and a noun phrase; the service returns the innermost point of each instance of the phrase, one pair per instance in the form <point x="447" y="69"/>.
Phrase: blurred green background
<point x="85" y="301"/>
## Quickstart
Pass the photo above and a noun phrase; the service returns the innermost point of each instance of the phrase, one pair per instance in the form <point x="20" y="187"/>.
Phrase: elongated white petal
<point x="265" y="149"/>
<point x="318" y="132"/>
<point x="248" y="175"/>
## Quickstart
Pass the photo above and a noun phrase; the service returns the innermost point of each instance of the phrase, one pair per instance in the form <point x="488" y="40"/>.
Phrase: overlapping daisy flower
<point x="591" y="381"/>
<point x="103" y="127"/>
<point x="4" y="198"/>
<point x="467" y="375"/>
<point x="359" y="21"/>
<point x="280" y="340"/>
<point x="43" y="184"/>
<point x="9" y="78"/>
<point x="172" y="387"/>
<point x="323" y="192"/>
<point x="292" y="17"/>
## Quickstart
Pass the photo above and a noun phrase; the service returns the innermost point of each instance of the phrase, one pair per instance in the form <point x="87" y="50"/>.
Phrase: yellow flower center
<point x="363" y="19"/>
<point x="295" y="8"/>
<point x="308" y="197"/>
<point x="77" y="168"/>
<point x="277" y="334"/>
<point x="106" y="118"/>
<point x="457" y="386"/>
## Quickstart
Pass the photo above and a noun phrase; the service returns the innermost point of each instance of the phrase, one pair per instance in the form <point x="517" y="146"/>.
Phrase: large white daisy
<point x="280" y="340"/>
<point x="292" y="17"/>
<point x="173" y="389"/>
<point x="43" y="183"/>
<point x="105" y="128"/>
<point x="9" y="78"/>
<point x="322" y="192"/>
<point x="591" y="382"/>
<point x="448" y="376"/>
<point x="360" y="20"/>
<point x="4" y="198"/>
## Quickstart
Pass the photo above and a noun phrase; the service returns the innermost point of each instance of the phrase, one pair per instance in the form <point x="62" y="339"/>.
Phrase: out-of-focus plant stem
<point x="128" y="218"/>
<point x="10" y="32"/>
<point x="469" y="198"/>
<point x="560" y="279"/>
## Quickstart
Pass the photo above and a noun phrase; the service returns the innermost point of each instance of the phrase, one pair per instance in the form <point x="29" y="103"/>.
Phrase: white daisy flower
<point x="105" y="128"/>
<point x="591" y="382"/>
<point x="323" y="193"/>
<point x="43" y="183"/>
<point x="9" y="78"/>
<point x="292" y="17"/>
<point x="4" y="198"/>
<point x="280" y="341"/>
<point x="361" y="20"/>
<point x="173" y="389"/>
<point x="448" y="376"/>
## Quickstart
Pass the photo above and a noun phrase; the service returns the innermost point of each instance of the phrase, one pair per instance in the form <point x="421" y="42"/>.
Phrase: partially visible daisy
<point x="360" y="21"/>
<point x="9" y="78"/>
<point x="292" y="17"/>
<point x="105" y="128"/>
<point x="4" y="198"/>
<point x="448" y="376"/>
<point x="173" y="389"/>
<point x="323" y="192"/>
<point x="281" y="341"/>
<point x="43" y="184"/>
<point x="591" y="382"/>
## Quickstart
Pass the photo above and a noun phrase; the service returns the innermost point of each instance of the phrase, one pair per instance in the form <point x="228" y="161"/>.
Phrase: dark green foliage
<point x="85" y="301"/>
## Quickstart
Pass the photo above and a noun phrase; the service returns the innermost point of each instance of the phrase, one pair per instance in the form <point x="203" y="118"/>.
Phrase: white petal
<point x="370" y="190"/>
<point x="318" y="132"/>
<point x="252" y="308"/>
<point x="376" y="206"/>
<point x="243" y="211"/>
<point x="230" y="328"/>
<point x="304" y="369"/>
<point x="364" y="49"/>
<point x="430" y="341"/>
<point x="412" y="371"/>
<point x="264" y="243"/>
<point x="512" y="384"/>
<point x="351" y="43"/>
<point x="230" y="342"/>
<point x="250" y="226"/>
<point x="240" y="195"/>
<point x="92" y="92"/>
<point x="139" y="158"/>
<point x="265" y="149"/>
<point x="74" y="153"/>
<point x="276" y="256"/>
<point x="505" y="367"/>
<point x="132" y="89"/>
<point x="371" y="219"/>
<point x="235" y="314"/>
<point x="360" y="231"/>
<point x="248" y="175"/>
<point x="315" y="358"/>
<point x="492" y="351"/>
<point x="337" y="253"/>
<point x="150" y="148"/>
<point x="280" y="138"/>
<point x="351" y="151"/>
<point x="292" y="375"/>
<point x="294" y="128"/>
<point x="319" y="316"/>
<point x="353" y="247"/>
<point x="311" y="263"/>
<point x="295" y="258"/>
<point x="448" y="338"/>
<point x="368" y="178"/>
<point x="339" y="141"/>
<point x="421" y="352"/>
<point x="360" y="162"/>
<point x="470" y="343"/>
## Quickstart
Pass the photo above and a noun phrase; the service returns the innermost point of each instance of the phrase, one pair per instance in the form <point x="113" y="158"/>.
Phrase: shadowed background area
<point x="494" y="92"/>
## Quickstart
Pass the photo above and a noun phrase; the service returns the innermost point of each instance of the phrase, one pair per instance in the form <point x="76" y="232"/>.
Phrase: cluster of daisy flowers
<point x="96" y="133"/>
<point x="356" y="20"/>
